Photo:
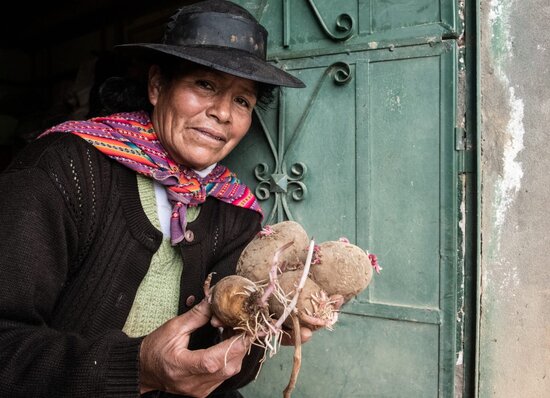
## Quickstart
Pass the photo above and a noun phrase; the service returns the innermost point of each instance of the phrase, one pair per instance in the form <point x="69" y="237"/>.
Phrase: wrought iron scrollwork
<point x="298" y="189"/>
<point x="341" y="73"/>
<point x="290" y="184"/>
<point x="344" y="24"/>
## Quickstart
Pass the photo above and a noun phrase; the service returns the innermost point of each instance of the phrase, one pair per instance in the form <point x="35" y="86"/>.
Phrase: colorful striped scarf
<point x="130" y="139"/>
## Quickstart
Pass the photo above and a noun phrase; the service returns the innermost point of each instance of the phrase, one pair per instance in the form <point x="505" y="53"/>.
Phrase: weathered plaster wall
<point x="514" y="349"/>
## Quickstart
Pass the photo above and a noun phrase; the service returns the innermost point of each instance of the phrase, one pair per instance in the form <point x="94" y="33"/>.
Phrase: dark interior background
<point x="54" y="53"/>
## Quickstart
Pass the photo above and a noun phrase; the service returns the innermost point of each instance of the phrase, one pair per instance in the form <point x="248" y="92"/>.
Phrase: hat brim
<point x="229" y="60"/>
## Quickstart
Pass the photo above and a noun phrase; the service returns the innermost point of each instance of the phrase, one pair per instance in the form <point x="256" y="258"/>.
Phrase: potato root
<point x="314" y="308"/>
<point x="242" y="304"/>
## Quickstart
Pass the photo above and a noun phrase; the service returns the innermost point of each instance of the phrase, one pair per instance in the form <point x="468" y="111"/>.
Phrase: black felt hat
<point x="221" y="35"/>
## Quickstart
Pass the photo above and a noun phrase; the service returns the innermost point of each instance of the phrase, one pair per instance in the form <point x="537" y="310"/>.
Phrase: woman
<point x="110" y="226"/>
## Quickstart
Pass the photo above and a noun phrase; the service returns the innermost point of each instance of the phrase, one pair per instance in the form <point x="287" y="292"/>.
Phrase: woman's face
<point x="201" y="116"/>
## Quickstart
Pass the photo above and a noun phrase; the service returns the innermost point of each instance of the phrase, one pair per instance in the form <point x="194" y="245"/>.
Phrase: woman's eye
<point x="243" y="102"/>
<point x="205" y="84"/>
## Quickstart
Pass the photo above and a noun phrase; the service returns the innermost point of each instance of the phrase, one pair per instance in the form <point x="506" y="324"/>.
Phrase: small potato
<point x="315" y="309"/>
<point x="341" y="268"/>
<point x="257" y="257"/>
<point x="234" y="301"/>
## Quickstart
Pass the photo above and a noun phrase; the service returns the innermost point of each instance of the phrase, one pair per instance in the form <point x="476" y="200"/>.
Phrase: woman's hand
<point x="289" y="339"/>
<point x="167" y="364"/>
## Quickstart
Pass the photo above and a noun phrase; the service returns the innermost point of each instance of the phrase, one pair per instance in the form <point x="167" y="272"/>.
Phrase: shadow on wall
<point x="74" y="98"/>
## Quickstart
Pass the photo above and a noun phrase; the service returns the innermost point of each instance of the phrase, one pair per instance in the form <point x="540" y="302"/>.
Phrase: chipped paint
<point x="509" y="182"/>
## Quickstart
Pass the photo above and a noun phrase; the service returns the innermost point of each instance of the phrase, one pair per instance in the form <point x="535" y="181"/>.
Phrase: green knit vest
<point x="157" y="297"/>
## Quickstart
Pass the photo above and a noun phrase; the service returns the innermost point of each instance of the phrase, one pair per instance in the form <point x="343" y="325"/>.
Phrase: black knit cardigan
<point x="75" y="245"/>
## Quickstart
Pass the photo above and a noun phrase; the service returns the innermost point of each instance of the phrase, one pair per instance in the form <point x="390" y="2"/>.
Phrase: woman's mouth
<point x="210" y="134"/>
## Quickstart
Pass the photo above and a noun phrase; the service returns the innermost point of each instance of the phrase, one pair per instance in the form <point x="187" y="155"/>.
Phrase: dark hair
<point x="266" y="95"/>
<point x="128" y="94"/>
<point x="122" y="94"/>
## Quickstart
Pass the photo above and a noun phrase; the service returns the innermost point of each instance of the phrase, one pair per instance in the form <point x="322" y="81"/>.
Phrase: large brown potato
<point x="257" y="257"/>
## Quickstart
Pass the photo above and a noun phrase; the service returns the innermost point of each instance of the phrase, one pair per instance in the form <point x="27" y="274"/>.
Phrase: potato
<point x="341" y="268"/>
<point x="314" y="308"/>
<point x="257" y="257"/>
<point x="234" y="301"/>
<point x="338" y="272"/>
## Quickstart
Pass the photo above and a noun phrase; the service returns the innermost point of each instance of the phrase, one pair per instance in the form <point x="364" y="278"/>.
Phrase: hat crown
<point x="216" y="23"/>
<point x="220" y="35"/>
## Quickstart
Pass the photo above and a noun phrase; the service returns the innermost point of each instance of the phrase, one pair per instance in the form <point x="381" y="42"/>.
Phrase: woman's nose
<point x="220" y="108"/>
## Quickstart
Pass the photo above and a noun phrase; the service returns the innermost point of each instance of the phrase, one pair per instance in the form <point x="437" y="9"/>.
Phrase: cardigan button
<point x="189" y="236"/>
<point x="190" y="301"/>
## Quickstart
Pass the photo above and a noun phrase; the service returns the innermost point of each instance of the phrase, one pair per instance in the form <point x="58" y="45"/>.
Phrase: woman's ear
<point x="154" y="84"/>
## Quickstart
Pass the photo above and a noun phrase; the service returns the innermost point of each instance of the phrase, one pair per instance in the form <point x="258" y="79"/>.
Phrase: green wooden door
<point x="366" y="151"/>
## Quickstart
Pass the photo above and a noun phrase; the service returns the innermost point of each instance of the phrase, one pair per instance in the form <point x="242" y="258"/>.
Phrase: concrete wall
<point x="514" y="349"/>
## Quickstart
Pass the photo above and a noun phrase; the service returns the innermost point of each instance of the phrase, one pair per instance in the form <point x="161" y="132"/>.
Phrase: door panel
<point x="360" y="358"/>
<point x="403" y="175"/>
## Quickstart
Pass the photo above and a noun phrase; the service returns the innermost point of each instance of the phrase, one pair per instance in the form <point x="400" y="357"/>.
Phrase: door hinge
<point x="466" y="153"/>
